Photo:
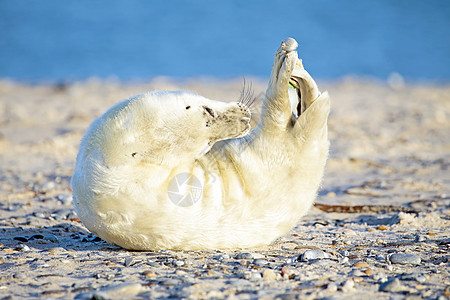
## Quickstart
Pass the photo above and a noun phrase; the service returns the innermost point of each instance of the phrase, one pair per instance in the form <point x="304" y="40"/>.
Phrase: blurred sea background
<point x="63" y="41"/>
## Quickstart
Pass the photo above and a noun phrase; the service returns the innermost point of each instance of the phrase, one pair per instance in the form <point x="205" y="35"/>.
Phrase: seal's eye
<point x="187" y="107"/>
<point x="209" y="110"/>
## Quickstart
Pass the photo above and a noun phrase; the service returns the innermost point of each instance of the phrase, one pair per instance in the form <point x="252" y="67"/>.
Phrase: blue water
<point x="135" y="40"/>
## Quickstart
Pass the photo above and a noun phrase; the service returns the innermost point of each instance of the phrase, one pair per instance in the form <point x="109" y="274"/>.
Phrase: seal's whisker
<point x="247" y="95"/>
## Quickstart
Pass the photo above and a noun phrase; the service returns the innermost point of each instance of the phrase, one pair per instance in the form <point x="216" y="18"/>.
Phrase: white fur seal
<point x="174" y="170"/>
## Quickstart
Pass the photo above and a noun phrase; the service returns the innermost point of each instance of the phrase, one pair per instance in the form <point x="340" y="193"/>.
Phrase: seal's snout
<point x="289" y="45"/>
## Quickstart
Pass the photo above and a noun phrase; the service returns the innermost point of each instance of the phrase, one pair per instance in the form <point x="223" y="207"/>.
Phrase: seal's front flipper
<point x="305" y="86"/>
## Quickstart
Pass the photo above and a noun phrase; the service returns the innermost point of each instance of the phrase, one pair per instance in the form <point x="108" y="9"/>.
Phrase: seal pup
<point x="174" y="170"/>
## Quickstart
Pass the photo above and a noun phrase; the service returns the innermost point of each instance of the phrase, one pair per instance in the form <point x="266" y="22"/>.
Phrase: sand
<point x="386" y="191"/>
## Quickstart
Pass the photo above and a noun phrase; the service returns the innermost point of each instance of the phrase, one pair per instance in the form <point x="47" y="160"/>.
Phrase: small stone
<point x="22" y="248"/>
<point x="129" y="261"/>
<point x="44" y="265"/>
<point x="393" y="285"/>
<point x="357" y="273"/>
<point x="258" y="256"/>
<point x="37" y="237"/>
<point x="171" y="282"/>
<point x="331" y="287"/>
<point x="357" y="279"/>
<point x="153" y="263"/>
<point x="269" y="274"/>
<point x="405" y="218"/>
<point x="56" y="250"/>
<point x="380" y="277"/>
<point x="20" y="276"/>
<point x="348" y="286"/>
<point x="420" y="238"/>
<point x="48" y="186"/>
<point x="65" y="199"/>
<point x="247" y="275"/>
<point x="255" y="276"/>
<point x="421" y="279"/>
<point x="59" y="215"/>
<point x="178" y="263"/>
<point x="361" y="264"/>
<point x="285" y="271"/>
<point x="21" y="239"/>
<point x="368" y="272"/>
<point x="260" y="262"/>
<point x="51" y="238"/>
<point x="343" y="260"/>
<point x="222" y="257"/>
<point x="314" y="254"/>
<point x="110" y="276"/>
<point x="447" y="291"/>
<point x="244" y="255"/>
<point x="188" y="279"/>
<point x="128" y="290"/>
<point x="404" y="259"/>
<point x="382" y="227"/>
<point x="149" y="273"/>
<point x="39" y="215"/>
<point x="292" y="260"/>
<point x="180" y="272"/>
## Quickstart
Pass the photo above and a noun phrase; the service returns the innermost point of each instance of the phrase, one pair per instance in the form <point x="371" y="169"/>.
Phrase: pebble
<point x="260" y="262"/>
<point x="285" y="271"/>
<point x="380" y="277"/>
<point x="153" y="263"/>
<point x="331" y="287"/>
<point x="48" y="186"/>
<point x="124" y="290"/>
<point x="188" y="279"/>
<point x="314" y="254"/>
<point x="51" y="238"/>
<point x="348" y="286"/>
<point x="421" y="279"/>
<point x="21" y="239"/>
<point x="343" y="260"/>
<point x="56" y="250"/>
<point x="178" y="263"/>
<point x="222" y="257"/>
<point x="392" y="285"/>
<point x="269" y="274"/>
<point x="171" y="282"/>
<point x="129" y="261"/>
<point x="404" y="259"/>
<point x="292" y="260"/>
<point x="420" y="238"/>
<point x="244" y="255"/>
<point x="361" y="264"/>
<point x="39" y="215"/>
<point x="357" y="273"/>
<point x="37" y="237"/>
<point x="20" y="276"/>
<point x="22" y="248"/>
<point x="65" y="199"/>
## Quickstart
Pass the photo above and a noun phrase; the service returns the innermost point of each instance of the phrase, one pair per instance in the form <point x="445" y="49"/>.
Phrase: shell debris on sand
<point x="396" y="158"/>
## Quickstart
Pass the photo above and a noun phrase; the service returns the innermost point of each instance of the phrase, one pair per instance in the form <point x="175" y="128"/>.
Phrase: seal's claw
<point x="289" y="45"/>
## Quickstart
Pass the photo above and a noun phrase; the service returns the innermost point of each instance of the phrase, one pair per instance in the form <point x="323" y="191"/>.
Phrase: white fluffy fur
<point x="255" y="188"/>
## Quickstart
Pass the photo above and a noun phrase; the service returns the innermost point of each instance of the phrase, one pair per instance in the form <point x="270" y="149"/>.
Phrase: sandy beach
<point x="380" y="229"/>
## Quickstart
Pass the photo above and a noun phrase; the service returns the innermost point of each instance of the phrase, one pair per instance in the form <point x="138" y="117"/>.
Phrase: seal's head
<point x="164" y="127"/>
